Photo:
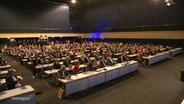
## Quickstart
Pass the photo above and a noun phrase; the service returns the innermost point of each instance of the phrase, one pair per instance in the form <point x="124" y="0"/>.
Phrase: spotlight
<point x="73" y="1"/>
<point x="169" y="2"/>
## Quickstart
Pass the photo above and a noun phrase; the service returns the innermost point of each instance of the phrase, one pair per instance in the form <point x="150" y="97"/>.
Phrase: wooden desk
<point x="21" y="95"/>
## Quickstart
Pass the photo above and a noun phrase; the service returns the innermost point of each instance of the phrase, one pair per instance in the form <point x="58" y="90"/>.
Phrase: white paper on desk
<point x="18" y="85"/>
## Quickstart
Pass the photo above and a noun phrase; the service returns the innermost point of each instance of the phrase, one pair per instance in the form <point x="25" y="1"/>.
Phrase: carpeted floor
<point x="156" y="84"/>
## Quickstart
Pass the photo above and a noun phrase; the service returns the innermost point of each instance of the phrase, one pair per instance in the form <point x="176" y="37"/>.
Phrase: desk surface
<point x="91" y="73"/>
<point x="3" y="72"/>
<point x="162" y="53"/>
<point x="182" y="102"/>
<point x="133" y="55"/>
<point x="16" y="92"/>
<point x="6" y="66"/>
<point x="53" y="71"/>
<point x="153" y="56"/>
<point x="117" y="54"/>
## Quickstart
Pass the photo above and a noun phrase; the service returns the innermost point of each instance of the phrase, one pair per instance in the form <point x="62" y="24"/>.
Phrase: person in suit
<point x="92" y="65"/>
<point x="110" y="61"/>
<point x="3" y="62"/>
<point x="102" y="62"/>
<point x="67" y="62"/>
<point x="11" y="80"/>
<point x="83" y="59"/>
<point x="2" y="88"/>
<point x="120" y="59"/>
<point x="33" y="68"/>
<point x="63" y="73"/>
<point x="56" y="65"/>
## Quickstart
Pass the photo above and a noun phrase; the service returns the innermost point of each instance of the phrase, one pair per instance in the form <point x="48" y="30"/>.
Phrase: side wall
<point x="140" y="35"/>
<point x="37" y="35"/>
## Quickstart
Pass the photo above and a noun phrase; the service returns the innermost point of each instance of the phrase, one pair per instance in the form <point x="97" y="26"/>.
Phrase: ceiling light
<point x="168" y="4"/>
<point x="73" y="1"/>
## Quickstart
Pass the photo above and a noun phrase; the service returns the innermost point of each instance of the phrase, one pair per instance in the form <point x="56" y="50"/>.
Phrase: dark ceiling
<point x="33" y="1"/>
<point x="79" y="3"/>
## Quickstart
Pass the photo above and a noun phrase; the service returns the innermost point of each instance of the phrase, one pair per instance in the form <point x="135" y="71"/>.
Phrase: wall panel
<point x="141" y="35"/>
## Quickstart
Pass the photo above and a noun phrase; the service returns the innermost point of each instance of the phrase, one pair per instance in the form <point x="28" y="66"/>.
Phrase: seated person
<point x="110" y="61"/>
<point x="67" y="61"/>
<point x="76" y="68"/>
<point x="41" y="61"/>
<point x="63" y="73"/>
<point x="3" y="62"/>
<point x="140" y="58"/>
<point x="2" y="88"/>
<point x="33" y="68"/>
<point x="92" y="65"/>
<point x="56" y="65"/>
<point x="12" y="80"/>
<point x="46" y="60"/>
<point x="102" y="62"/>
<point x="83" y="59"/>
<point x="122" y="58"/>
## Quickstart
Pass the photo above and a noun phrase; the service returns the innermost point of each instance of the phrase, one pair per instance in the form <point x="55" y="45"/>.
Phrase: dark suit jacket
<point x="56" y="66"/>
<point x="90" y="67"/>
<point x="83" y="61"/>
<point x="66" y="63"/>
<point x="110" y="61"/>
<point x="120" y="59"/>
<point x="10" y="82"/>
<point x="102" y="63"/>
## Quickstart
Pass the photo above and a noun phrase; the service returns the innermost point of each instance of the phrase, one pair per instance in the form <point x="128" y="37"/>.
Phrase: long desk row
<point x="51" y="64"/>
<point x="176" y="51"/>
<point x="156" y="58"/>
<point x="21" y="95"/>
<point x="89" y="79"/>
<point x="54" y="71"/>
<point x="161" y="56"/>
